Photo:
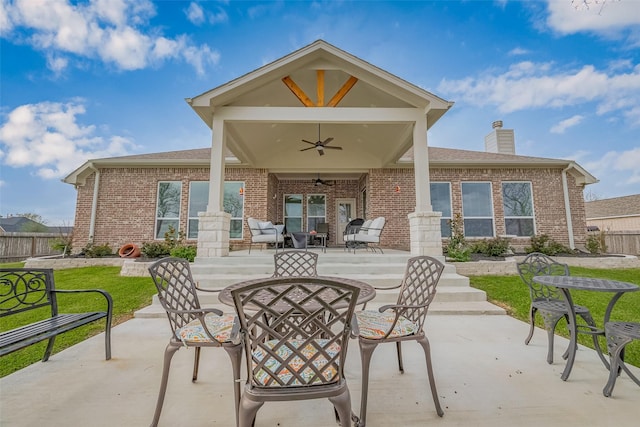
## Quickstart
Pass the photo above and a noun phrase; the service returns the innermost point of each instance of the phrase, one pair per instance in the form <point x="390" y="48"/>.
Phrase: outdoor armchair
<point x="367" y="236"/>
<point x="295" y="341"/>
<point x="264" y="232"/>
<point x="547" y="300"/>
<point x="399" y="322"/>
<point x="295" y="264"/>
<point x="619" y="334"/>
<point x="191" y="325"/>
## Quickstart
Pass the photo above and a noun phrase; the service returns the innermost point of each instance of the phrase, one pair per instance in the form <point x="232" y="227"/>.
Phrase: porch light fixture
<point x="241" y="191"/>
<point x="397" y="189"/>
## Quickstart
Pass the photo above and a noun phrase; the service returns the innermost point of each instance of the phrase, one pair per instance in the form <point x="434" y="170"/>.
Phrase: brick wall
<point x="127" y="200"/>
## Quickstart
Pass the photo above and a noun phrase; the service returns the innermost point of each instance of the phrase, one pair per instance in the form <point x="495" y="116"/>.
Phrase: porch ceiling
<point x="276" y="146"/>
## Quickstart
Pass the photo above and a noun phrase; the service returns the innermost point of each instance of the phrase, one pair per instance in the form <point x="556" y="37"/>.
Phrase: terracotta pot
<point x="129" y="250"/>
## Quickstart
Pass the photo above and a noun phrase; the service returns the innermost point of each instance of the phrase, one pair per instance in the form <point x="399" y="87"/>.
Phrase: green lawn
<point x="129" y="294"/>
<point x="512" y="294"/>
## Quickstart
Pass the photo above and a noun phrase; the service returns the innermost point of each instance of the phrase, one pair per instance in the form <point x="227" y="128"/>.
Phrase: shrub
<point x="458" y="249"/>
<point x="155" y="249"/>
<point x="546" y="245"/>
<point x="96" y="251"/>
<point x="492" y="247"/>
<point x="61" y="244"/>
<point x="172" y="238"/>
<point x="187" y="252"/>
<point x="595" y="243"/>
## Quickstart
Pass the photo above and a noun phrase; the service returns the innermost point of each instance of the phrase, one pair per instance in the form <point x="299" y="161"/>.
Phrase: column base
<point x="426" y="238"/>
<point x="213" y="234"/>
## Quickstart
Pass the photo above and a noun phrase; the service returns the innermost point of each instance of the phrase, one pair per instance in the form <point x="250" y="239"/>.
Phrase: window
<point x="293" y="212"/>
<point x="477" y="209"/>
<point x="316" y="211"/>
<point x="441" y="202"/>
<point x="198" y="199"/>
<point x="517" y="201"/>
<point x="168" y="207"/>
<point x="233" y="204"/>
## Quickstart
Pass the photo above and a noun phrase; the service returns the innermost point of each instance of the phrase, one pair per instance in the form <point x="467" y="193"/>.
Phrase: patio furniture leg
<point x="366" y="351"/>
<point x="168" y="355"/>
<point x="532" y="325"/>
<point x="235" y="353"/>
<point x="47" y="352"/>
<point x="550" y="320"/>
<point x="196" y="364"/>
<point x="399" y="350"/>
<point x="249" y="410"/>
<point x="424" y="342"/>
<point x="342" y="404"/>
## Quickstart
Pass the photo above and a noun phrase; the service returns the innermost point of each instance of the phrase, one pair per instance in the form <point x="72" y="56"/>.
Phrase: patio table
<point x="367" y="292"/>
<point x="568" y="283"/>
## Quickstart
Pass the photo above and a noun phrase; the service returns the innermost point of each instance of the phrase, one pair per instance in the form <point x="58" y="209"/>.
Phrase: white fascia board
<point x="319" y="114"/>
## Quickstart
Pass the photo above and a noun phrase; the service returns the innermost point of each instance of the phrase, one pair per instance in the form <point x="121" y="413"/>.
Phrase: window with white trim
<point x="168" y="207"/>
<point x="316" y="210"/>
<point x="517" y="202"/>
<point x="293" y="212"/>
<point x="477" y="209"/>
<point x="233" y="204"/>
<point x="441" y="202"/>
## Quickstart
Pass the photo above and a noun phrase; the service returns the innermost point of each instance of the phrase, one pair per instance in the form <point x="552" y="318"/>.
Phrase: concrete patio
<point x="485" y="375"/>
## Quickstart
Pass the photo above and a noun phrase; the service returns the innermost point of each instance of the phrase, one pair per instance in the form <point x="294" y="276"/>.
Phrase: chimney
<point x="500" y="140"/>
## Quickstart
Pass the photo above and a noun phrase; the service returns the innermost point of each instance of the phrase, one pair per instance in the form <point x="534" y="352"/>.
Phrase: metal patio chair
<point x="295" y="263"/>
<point x="619" y="334"/>
<point x="191" y="325"/>
<point x="295" y="334"/>
<point x="399" y="322"/>
<point x="548" y="300"/>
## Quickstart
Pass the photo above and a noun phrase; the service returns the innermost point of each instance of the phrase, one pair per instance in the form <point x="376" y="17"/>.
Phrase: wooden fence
<point x="20" y="246"/>
<point x="622" y="242"/>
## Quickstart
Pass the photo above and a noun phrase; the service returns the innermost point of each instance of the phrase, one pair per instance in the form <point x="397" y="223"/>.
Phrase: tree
<point x="32" y="216"/>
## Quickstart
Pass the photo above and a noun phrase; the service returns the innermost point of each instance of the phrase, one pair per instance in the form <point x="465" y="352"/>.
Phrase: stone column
<point x="425" y="233"/>
<point x="213" y="234"/>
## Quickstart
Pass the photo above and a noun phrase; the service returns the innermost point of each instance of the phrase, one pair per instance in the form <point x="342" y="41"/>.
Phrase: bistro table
<point x="566" y="284"/>
<point x="367" y="292"/>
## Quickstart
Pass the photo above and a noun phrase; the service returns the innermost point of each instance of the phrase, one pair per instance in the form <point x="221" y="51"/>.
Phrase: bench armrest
<point x="105" y="294"/>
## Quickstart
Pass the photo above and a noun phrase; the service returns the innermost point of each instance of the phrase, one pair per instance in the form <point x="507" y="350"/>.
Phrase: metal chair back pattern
<point x="295" y="332"/>
<point x="402" y="321"/>
<point x="295" y="263"/>
<point x="190" y="324"/>
<point x="548" y="300"/>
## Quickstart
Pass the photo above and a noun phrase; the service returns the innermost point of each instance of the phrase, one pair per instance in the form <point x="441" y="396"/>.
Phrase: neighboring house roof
<point x="616" y="207"/>
<point x="438" y="157"/>
<point x="19" y="224"/>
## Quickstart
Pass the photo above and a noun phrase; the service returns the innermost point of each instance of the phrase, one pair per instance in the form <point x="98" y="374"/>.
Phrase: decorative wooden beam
<point x="320" y="74"/>
<point x="299" y="93"/>
<point x="346" y="87"/>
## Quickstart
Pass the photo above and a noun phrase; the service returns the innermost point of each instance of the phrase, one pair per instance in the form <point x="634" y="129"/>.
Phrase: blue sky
<point x="101" y="78"/>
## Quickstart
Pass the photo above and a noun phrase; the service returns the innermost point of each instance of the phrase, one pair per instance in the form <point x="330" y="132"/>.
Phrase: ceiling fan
<point x="318" y="182"/>
<point x="320" y="145"/>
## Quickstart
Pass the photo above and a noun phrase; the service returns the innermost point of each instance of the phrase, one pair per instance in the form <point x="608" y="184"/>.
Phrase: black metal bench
<point x="25" y="289"/>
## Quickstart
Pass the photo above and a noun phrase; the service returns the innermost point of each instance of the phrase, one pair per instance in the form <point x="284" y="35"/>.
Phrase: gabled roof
<point x="615" y="207"/>
<point x="18" y="224"/>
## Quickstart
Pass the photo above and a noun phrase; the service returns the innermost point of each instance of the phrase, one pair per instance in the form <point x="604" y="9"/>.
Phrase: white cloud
<point x="518" y="51"/>
<point x="48" y="137"/>
<point x="625" y="163"/>
<point x="195" y="14"/>
<point x="2" y="183"/>
<point x="114" y="31"/>
<point x="533" y="85"/>
<point x="567" y="123"/>
<point x="602" y="16"/>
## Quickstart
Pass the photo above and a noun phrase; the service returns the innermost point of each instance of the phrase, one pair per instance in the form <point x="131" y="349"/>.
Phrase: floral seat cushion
<point x="272" y="365"/>
<point x="374" y="325"/>
<point x="219" y="326"/>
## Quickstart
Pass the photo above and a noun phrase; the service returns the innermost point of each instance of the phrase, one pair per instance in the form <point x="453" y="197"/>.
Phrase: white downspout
<point x="94" y="203"/>
<point x="567" y="206"/>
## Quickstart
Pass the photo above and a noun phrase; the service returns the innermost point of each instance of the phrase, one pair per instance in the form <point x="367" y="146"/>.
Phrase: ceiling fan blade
<point x="326" y="141"/>
<point x="333" y="148"/>
<point x="308" y="148"/>
<point x="309" y="142"/>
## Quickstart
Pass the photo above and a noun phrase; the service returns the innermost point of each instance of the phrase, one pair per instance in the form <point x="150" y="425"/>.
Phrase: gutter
<point x="567" y="205"/>
<point x="94" y="203"/>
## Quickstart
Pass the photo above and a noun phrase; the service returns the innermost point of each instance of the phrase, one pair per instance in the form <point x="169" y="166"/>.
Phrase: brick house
<point x="359" y="150"/>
